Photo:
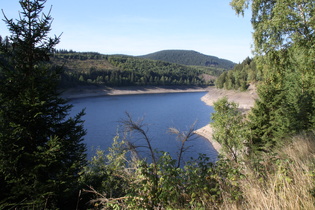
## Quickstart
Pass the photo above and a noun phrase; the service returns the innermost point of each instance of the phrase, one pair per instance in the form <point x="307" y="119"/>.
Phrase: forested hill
<point x="122" y="70"/>
<point x="189" y="57"/>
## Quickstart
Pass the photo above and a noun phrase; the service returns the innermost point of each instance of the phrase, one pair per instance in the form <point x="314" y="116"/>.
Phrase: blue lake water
<point x="158" y="111"/>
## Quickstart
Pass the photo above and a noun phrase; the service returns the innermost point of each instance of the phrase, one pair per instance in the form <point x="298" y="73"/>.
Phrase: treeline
<point x="190" y="57"/>
<point x="70" y="54"/>
<point x="120" y="70"/>
<point x="240" y="77"/>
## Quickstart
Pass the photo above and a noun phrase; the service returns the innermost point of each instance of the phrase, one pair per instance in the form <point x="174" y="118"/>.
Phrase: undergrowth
<point x="279" y="179"/>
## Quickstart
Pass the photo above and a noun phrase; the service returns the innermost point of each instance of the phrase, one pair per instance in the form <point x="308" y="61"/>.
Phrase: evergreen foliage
<point x="121" y="70"/>
<point x="191" y="58"/>
<point x="240" y="77"/>
<point x="41" y="149"/>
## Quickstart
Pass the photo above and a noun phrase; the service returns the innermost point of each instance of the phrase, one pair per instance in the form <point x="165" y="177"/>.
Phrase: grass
<point x="285" y="181"/>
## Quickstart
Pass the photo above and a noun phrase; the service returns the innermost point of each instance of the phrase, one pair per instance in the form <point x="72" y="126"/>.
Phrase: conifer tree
<point x="41" y="149"/>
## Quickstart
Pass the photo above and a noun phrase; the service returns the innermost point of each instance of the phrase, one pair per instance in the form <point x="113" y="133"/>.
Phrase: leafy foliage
<point x="229" y="128"/>
<point x="127" y="181"/>
<point x="283" y="37"/>
<point x="41" y="151"/>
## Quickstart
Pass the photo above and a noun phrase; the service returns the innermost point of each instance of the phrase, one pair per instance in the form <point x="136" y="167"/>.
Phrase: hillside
<point x="190" y="57"/>
<point x="121" y="70"/>
<point x="240" y="77"/>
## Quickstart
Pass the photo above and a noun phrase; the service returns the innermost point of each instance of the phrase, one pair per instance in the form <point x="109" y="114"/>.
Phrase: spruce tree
<point x="41" y="149"/>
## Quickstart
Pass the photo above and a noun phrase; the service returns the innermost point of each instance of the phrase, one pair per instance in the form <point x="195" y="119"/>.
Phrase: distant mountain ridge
<point x="189" y="57"/>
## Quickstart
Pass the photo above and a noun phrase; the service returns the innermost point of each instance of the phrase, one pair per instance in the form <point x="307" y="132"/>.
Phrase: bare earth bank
<point x="83" y="92"/>
<point x="245" y="100"/>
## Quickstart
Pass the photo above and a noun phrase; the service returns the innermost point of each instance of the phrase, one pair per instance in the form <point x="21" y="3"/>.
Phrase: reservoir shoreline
<point x="245" y="99"/>
<point x="85" y="92"/>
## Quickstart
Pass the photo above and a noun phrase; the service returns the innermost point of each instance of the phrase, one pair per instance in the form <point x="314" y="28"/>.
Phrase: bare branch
<point x="131" y="125"/>
<point x="183" y="137"/>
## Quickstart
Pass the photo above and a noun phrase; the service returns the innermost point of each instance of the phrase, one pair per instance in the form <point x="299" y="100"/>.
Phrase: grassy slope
<point x="284" y="180"/>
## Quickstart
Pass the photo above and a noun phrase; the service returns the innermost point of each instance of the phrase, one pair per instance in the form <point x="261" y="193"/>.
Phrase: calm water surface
<point x="159" y="112"/>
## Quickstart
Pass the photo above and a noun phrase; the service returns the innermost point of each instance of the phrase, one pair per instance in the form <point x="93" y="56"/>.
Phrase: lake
<point x="158" y="111"/>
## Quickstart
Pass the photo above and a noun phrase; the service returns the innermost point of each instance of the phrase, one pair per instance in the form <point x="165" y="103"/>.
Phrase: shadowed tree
<point x="41" y="149"/>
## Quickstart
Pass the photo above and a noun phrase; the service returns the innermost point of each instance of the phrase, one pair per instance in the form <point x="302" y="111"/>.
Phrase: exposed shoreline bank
<point x="84" y="92"/>
<point x="245" y="99"/>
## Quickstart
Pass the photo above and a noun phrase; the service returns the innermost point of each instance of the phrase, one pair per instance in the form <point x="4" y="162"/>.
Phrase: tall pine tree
<point x="41" y="149"/>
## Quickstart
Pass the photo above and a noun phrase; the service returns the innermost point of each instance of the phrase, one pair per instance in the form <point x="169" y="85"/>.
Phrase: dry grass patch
<point x="285" y="182"/>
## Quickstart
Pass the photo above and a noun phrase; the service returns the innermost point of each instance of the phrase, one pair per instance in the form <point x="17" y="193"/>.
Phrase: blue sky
<point x="138" y="27"/>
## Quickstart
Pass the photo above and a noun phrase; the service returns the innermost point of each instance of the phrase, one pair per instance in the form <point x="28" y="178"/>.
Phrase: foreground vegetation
<point x="41" y="148"/>
<point x="267" y="156"/>
<point x="281" y="179"/>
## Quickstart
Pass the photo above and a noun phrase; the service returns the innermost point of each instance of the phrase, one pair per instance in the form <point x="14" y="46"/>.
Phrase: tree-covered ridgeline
<point x="121" y="70"/>
<point x="191" y="58"/>
<point x="41" y="149"/>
